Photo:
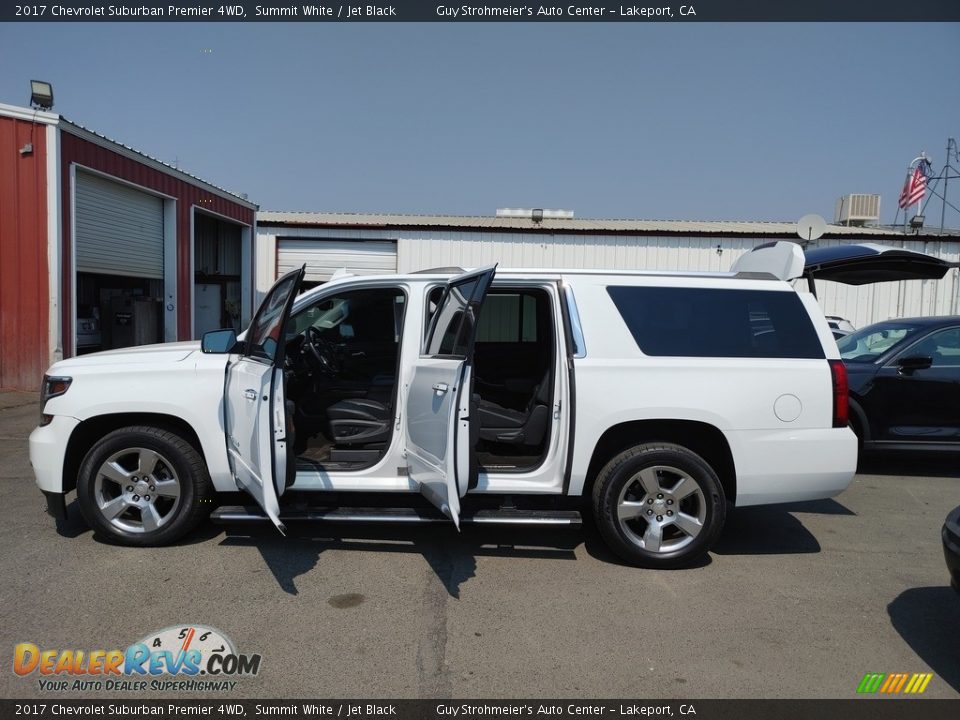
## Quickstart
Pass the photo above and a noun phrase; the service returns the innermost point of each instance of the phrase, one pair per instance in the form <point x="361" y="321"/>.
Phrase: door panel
<point x="430" y="430"/>
<point x="255" y="404"/>
<point x="922" y="404"/>
<point x="250" y="435"/>
<point x="439" y="393"/>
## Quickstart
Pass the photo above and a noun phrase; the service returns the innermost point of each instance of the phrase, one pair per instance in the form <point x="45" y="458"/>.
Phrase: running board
<point x="509" y="516"/>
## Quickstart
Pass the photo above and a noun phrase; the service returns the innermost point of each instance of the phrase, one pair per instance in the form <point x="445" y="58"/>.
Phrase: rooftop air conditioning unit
<point x="536" y="214"/>
<point x="857" y="210"/>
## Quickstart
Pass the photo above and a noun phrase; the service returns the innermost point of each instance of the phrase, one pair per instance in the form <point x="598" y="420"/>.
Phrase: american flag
<point x="915" y="187"/>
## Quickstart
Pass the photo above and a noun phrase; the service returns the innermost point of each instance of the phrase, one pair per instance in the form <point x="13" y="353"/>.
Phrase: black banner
<point x="856" y="709"/>
<point x="324" y="11"/>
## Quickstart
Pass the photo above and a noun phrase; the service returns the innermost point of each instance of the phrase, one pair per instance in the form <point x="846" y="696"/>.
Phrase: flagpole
<point x="906" y="185"/>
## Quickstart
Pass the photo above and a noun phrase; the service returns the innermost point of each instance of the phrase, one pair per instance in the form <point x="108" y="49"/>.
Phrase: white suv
<point x="499" y="396"/>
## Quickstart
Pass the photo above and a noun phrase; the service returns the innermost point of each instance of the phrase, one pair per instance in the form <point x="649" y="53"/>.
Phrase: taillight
<point x="841" y="390"/>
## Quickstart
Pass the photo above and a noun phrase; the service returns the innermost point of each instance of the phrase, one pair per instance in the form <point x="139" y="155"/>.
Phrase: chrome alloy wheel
<point x="661" y="509"/>
<point x="137" y="490"/>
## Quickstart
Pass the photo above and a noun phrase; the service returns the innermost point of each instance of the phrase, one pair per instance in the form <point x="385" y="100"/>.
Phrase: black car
<point x="951" y="546"/>
<point x="904" y="378"/>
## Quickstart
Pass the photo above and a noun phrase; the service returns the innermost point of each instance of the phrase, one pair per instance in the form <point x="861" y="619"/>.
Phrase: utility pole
<point x="951" y="144"/>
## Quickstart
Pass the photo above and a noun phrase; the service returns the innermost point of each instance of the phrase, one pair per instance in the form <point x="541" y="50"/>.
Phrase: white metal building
<point x="365" y="244"/>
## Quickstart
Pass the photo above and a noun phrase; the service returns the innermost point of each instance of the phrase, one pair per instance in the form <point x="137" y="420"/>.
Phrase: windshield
<point x="871" y="342"/>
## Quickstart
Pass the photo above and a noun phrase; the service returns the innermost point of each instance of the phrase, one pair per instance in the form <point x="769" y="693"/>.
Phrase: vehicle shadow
<point x="451" y="555"/>
<point x="928" y="619"/>
<point x="74" y="525"/>
<point x="912" y="464"/>
<point x="774" y="529"/>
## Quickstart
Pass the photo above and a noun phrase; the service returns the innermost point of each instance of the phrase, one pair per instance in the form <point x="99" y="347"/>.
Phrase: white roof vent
<point x="857" y="210"/>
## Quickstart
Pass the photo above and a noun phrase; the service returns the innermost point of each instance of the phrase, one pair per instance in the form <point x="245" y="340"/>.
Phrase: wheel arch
<point x="92" y="429"/>
<point x="702" y="438"/>
<point x="858" y="417"/>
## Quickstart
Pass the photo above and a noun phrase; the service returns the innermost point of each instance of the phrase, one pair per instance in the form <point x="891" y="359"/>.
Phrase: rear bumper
<point x="48" y="447"/>
<point x="783" y="466"/>
<point x="951" y="547"/>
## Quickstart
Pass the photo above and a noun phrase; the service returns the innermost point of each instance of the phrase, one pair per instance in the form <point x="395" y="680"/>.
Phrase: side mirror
<point x="219" y="341"/>
<point x="915" y="362"/>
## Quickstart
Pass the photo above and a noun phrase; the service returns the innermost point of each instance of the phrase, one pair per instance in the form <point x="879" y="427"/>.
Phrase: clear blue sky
<point x="654" y="121"/>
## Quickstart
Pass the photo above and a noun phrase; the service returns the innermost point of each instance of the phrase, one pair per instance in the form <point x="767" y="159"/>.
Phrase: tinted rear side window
<point x="707" y="322"/>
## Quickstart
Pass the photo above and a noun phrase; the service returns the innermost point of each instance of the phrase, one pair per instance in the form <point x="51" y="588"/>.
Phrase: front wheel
<point x="659" y="505"/>
<point x="143" y="486"/>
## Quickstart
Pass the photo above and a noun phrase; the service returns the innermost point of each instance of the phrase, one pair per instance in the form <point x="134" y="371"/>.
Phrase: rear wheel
<point x="659" y="505"/>
<point x="143" y="486"/>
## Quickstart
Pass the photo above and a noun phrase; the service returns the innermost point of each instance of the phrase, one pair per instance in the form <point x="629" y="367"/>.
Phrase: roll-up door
<point x="325" y="257"/>
<point x="119" y="230"/>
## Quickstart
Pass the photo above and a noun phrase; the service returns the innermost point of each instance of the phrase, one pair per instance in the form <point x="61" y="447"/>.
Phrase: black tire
<point x="178" y="461"/>
<point x="857" y="428"/>
<point x="667" y="463"/>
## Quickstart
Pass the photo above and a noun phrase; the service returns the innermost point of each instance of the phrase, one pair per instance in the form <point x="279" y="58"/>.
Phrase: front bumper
<point x="951" y="546"/>
<point x="48" y="448"/>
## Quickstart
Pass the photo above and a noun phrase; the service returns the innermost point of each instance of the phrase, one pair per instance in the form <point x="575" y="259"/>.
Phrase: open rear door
<point x="865" y="263"/>
<point x="439" y="396"/>
<point x="255" y="415"/>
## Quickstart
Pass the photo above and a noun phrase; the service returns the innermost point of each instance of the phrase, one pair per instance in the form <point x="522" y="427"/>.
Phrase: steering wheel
<point x="321" y="352"/>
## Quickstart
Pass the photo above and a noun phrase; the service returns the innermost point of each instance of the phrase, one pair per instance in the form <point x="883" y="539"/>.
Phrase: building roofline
<point x="578" y="226"/>
<point x="48" y="118"/>
<point x="23" y="113"/>
<point x="133" y="154"/>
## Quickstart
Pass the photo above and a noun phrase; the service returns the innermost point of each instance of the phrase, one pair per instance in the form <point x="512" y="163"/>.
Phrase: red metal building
<point x="102" y="246"/>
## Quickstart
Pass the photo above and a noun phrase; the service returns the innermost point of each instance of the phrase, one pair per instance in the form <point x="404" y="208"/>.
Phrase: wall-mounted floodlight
<point x="537" y="215"/>
<point x="41" y="94"/>
<point x="916" y="222"/>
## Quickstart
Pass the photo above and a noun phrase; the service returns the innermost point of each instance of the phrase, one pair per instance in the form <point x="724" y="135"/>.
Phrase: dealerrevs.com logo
<point x="176" y="659"/>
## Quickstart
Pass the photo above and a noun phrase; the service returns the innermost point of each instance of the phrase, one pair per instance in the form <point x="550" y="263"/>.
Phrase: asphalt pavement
<point x="796" y="601"/>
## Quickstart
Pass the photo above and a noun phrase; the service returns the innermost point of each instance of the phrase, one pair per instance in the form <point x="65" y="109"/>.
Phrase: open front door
<point x="439" y="396"/>
<point x="255" y="414"/>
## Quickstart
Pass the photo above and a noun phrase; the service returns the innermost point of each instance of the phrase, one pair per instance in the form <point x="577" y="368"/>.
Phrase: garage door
<point x="119" y="230"/>
<point x="325" y="257"/>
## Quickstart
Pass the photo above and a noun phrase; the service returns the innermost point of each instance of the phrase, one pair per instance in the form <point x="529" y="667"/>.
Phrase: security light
<point x="537" y="215"/>
<point x="41" y="94"/>
<point x="916" y="222"/>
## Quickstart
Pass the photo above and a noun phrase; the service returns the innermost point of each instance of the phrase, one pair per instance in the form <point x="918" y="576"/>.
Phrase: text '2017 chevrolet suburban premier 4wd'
<point x="490" y="396"/>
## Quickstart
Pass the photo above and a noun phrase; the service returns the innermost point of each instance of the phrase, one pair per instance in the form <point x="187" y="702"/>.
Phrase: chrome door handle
<point x="441" y="388"/>
<point x="250" y="394"/>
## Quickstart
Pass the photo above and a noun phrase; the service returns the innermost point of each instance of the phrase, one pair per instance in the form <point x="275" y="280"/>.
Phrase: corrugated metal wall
<point x="325" y="257"/>
<point x="24" y="298"/>
<point x="861" y="305"/>
<point x="419" y="249"/>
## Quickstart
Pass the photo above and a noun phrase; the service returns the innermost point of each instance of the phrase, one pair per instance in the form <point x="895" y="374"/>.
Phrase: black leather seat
<point x="514" y="427"/>
<point x="359" y="421"/>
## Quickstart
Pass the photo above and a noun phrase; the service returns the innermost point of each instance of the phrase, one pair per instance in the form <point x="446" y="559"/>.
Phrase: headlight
<point x="53" y="386"/>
